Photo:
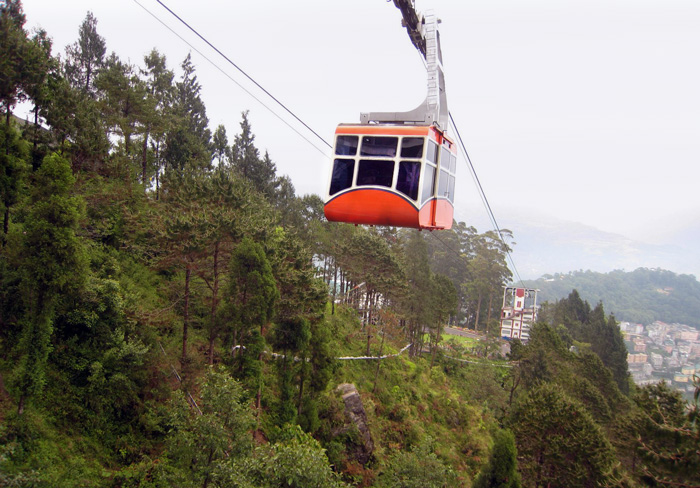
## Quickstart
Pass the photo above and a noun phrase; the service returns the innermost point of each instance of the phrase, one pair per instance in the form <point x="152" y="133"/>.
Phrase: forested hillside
<point x="173" y="314"/>
<point x="640" y="296"/>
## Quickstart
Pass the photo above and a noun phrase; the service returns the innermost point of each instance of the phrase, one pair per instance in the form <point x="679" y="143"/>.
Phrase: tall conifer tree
<point x="85" y="58"/>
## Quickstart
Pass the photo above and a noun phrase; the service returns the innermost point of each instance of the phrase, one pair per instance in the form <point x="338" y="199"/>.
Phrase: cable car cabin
<point x="394" y="175"/>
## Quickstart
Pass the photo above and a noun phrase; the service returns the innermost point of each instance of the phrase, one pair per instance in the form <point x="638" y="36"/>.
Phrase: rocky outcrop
<point x="357" y="418"/>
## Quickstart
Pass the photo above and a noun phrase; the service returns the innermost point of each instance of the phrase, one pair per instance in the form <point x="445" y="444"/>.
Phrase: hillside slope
<point x="642" y="296"/>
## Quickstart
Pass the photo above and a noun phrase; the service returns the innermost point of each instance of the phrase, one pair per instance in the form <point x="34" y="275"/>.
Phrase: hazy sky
<point x="585" y="110"/>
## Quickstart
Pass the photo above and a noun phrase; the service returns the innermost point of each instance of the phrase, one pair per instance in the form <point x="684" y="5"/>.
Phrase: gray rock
<point x="355" y="413"/>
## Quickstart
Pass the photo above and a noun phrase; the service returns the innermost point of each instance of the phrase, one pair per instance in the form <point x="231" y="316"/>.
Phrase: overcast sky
<point x="585" y="110"/>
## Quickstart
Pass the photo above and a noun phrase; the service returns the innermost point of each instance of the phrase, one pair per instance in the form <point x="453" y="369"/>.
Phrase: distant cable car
<point x="519" y="313"/>
<point x="398" y="168"/>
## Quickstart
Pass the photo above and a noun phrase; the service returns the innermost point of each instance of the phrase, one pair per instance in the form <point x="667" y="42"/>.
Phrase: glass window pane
<point x="428" y="183"/>
<point x="431" y="155"/>
<point x="412" y="147"/>
<point x="346" y="145"/>
<point x="451" y="188"/>
<point x="443" y="189"/>
<point x="453" y="164"/>
<point x="375" y="172"/>
<point x="342" y="175"/>
<point x="445" y="159"/>
<point x="409" y="174"/>
<point x="381" y="146"/>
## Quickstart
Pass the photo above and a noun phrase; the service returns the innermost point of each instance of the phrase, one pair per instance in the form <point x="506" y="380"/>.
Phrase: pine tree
<point x="123" y="104"/>
<point x="85" y="58"/>
<point x="13" y="49"/>
<point x="558" y="442"/>
<point x="160" y="92"/>
<point x="443" y="298"/>
<point x="246" y="160"/>
<point x="502" y="468"/>
<point x="220" y="148"/>
<point x="488" y="272"/>
<point x="252" y="297"/>
<point x="668" y="436"/>
<point x="417" y="273"/>
<point x="13" y="170"/>
<point x="23" y="69"/>
<point x="188" y="140"/>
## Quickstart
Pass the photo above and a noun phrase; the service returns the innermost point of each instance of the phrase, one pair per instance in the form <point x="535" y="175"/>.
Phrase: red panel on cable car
<point x="394" y="175"/>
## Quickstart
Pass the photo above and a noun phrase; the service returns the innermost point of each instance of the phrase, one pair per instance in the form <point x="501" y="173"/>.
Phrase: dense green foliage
<point x="502" y="469"/>
<point x="172" y="314"/>
<point x="640" y="296"/>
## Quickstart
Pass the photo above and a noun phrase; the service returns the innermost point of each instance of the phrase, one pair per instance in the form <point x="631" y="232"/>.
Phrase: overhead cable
<point x="484" y="199"/>
<point x="231" y="78"/>
<point x="243" y="72"/>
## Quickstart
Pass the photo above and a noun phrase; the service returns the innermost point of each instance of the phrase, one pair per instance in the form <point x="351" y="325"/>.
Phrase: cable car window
<point x="379" y="146"/>
<point x="443" y="184"/>
<point x="409" y="173"/>
<point x="445" y="158"/>
<point x="451" y="188"/>
<point x="428" y="183"/>
<point x="431" y="155"/>
<point x="375" y="172"/>
<point x="346" y="145"/>
<point x="412" y="147"/>
<point x="453" y="163"/>
<point x="342" y="175"/>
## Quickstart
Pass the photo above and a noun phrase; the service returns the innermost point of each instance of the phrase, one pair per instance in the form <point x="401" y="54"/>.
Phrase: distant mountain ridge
<point x="546" y="245"/>
<point x="641" y="296"/>
<point x="555" y="246"/>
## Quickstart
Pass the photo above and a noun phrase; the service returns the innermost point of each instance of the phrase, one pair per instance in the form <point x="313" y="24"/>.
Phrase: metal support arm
<point x="423" y="31"/>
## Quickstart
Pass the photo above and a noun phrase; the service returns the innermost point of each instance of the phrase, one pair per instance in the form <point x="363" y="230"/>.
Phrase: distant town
<point x="661" y="351"/>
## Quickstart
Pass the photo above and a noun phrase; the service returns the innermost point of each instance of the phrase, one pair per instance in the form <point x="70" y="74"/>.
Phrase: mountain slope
<point x="642" y="296"/>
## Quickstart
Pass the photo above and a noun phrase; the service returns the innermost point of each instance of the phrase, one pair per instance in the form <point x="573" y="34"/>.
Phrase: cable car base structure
<point x="398" y="168"/>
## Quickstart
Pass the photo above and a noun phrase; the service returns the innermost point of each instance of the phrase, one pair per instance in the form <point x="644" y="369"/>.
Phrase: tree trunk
<point x="368" y="320"/>
<point x="335" y="287"/>
<point x="6" y="218"/>
<point x="144" y="160"/>
<point x="379" y="363"/>
<point x="186" y="312"/>
<point x="433" y="346"/>
<point x="157" y="169"/>
<point x="302" y="377"/>
<point x="488" y="317"/>
<point x="214" y="301"/>
<point x="212" y="338"/>
<point x="35" y="137"/>
<point x="258" y="396"/>
<point x="209" y="460"/>
<point x="478" y="312"/>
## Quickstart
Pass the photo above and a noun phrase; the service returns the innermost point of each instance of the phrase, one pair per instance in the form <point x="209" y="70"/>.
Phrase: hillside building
<point x="519" y="313"/>
<point x="657" y="360"/>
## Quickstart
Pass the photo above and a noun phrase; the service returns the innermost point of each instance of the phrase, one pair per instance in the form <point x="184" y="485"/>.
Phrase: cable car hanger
<point x="398" y="168"/>
<point x="424" y="34"/>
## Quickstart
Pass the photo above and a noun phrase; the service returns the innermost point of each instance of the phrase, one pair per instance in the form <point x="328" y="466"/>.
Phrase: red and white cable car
<point x="402" y="176"/>
<point x="398" y="168"/>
